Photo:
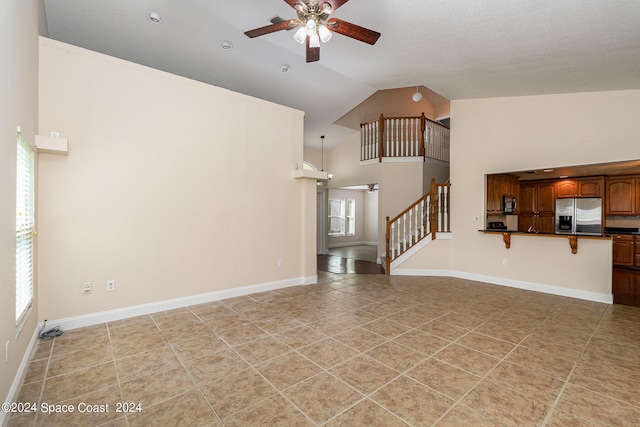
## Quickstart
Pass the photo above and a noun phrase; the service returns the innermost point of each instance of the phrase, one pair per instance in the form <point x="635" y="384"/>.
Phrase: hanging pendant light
<point x="417" y="96"/>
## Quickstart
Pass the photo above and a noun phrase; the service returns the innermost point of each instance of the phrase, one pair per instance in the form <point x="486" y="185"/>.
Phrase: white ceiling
<point x="459" y="49"/>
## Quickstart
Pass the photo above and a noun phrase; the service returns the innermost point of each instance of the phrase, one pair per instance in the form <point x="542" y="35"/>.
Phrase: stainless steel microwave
<point x="508" y="204"/>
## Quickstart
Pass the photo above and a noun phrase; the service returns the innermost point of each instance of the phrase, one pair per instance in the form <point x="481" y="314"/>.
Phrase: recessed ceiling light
<point x="154" y="17"/>
<point x="226" y="45"/>
<point x="284" y="68"/>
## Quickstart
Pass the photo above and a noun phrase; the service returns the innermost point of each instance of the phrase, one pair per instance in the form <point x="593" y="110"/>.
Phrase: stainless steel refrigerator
<point x="579" y="216"/>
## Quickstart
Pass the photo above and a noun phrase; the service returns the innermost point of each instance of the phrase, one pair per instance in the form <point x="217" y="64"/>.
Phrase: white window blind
<point x="25" y="227"/>
<point x="342" y="217"/>
<point x="336" y="217"/>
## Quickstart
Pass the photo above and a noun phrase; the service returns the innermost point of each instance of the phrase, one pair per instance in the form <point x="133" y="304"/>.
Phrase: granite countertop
<point x="621" y="230"/>
<point x="526" y="233"/>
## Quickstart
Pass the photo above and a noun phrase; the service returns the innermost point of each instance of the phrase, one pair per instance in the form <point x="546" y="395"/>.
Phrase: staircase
<point x="417" y="224"/>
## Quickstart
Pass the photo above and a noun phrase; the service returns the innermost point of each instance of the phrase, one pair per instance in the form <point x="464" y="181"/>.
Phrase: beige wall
<point x="172" y="187"/>
<point x="396" y="103"/>
<point x="521" y="133"/>
<point x="400" y="184"/>
<point x="18" y="107"/>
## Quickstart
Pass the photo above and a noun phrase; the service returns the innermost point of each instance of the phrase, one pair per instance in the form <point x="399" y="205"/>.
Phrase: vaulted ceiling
<point x="458" y="49"/>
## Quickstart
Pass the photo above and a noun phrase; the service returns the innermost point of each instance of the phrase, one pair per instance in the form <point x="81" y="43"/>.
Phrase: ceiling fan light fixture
<point x="301" y="35"/>
<point x="324" y="33"/>
<point x="314" y="41"/>
<point x="311" y="27"/>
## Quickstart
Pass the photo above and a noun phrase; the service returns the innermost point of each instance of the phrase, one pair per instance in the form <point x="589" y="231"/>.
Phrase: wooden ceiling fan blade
<point x="284" y="25"/>
<point x="313" y="53"/>
<point x="354" y="31"/>
<point x="335" y="4"/>
<point x="292" y="3"/>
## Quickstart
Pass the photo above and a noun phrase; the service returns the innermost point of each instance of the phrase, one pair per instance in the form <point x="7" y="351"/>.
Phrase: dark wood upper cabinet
<point x="580" y="187"/>
<point x="537" y="207"/>
<point x="591" y="187"/>
<point x="546" y="198"/>
<point x="567" y="188"/>
<point x="498" y="186"/>
<point x="622" y="196"/>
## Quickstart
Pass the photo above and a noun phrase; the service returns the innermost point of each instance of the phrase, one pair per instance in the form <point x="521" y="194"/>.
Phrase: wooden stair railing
<point x="421" y="220"/>
<point x="404" y="137"/>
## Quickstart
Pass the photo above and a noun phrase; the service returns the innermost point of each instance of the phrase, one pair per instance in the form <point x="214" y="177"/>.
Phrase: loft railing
<point x="404" y="137"/>
<point x="423" y="219"/>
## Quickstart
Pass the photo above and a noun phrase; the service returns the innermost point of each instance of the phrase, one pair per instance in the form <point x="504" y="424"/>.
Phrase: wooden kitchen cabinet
<point x="567" y="188"/>
<point x="497" y="186"/>
<point x="624" y="250"/>
<point x="580" y="187"/>
<point x="626" y="286"/>
<point x="591" y="187"/>
<point x="537" y="207"/>
<point x="622" y="196"/>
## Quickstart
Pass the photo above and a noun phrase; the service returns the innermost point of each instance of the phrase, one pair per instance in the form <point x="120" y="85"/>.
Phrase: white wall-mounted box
<point x="46" y="144"/>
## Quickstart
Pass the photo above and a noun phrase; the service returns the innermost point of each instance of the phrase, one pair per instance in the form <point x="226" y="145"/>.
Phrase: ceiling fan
<point x="316" y="24"/>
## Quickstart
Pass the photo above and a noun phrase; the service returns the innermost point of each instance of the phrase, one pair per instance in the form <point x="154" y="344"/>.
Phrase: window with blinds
<point x="342" y="217"/>
<point x="25" y="227"/>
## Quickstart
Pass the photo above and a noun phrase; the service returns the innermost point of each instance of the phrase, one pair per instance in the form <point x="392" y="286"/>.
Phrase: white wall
<point x="370" y="216"/>
<point x="522" y="133"/>
<point x="400" y="184"/>
<point x="18" y="107"/>
<point x="171" y="187"/>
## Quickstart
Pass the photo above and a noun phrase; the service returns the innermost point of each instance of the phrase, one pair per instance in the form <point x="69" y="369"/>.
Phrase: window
<point x="25" y="227"/>
<point x="342" y="217"/>
<point x="308" y="166"/>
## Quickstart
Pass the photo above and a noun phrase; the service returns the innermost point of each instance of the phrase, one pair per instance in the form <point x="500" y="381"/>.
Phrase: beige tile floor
<point x="350" y="351"/>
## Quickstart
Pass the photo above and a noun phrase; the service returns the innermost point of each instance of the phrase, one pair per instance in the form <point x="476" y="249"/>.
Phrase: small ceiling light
<point x="226" y="45"/>
<point x="284" y="68"/>
<point x="154" y="17"/>
<point x="417" y="96"/>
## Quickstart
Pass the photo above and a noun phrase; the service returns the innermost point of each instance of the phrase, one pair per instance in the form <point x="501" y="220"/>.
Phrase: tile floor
<point x="350" y="351"/>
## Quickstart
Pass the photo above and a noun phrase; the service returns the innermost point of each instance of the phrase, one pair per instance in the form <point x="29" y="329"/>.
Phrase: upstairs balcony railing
<point x="404" y="137"/>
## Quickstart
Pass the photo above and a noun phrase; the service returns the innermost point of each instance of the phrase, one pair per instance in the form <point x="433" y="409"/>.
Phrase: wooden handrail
<point x="437" y="211"/>
<point x="413" y="205"/>
<point x="382" y="117"/>
<point x="404" y="137"/>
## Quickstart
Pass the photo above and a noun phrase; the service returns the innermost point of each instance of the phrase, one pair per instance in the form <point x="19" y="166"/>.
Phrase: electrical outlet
<point x="280" y="263"/>
<point x="504" y="261"/>
<point x="87" y="288"/>
<point x="111" y="285"/>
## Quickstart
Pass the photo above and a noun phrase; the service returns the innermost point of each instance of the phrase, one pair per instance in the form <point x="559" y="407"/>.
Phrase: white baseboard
<point x="14" y="391"/>
<point x="91" y="319"/>
<point x="519" y="284"/>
